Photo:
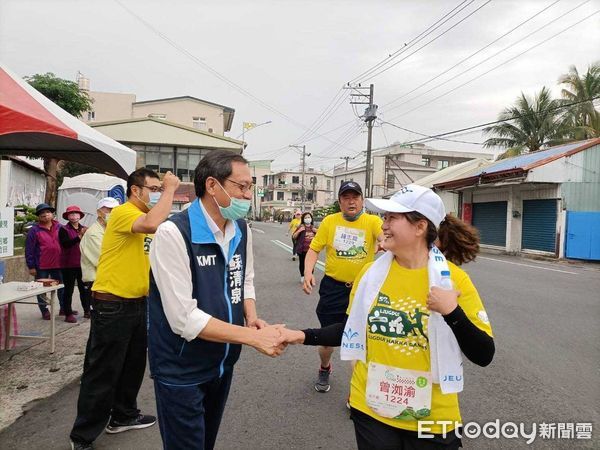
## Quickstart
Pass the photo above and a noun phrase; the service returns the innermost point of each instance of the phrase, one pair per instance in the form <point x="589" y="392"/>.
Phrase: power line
<point x="425" y="45"/>
<point x="475" y="127"/>
<point x="325" y="114"/>
<point x="428" y="136"/>
<point x="213" y="71"/>
<point x="471" y="55"/>
<point x="497" y="66"/>
<point x="410" y="43"/>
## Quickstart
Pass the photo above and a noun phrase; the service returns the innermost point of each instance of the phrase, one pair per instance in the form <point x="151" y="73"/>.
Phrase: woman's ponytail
<point x="458" y="240"/>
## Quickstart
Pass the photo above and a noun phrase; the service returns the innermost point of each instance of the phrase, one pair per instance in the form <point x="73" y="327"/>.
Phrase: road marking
<point x="528" y="265"/>
<point x="258" y="230"/>
<point x="320" y="265"/>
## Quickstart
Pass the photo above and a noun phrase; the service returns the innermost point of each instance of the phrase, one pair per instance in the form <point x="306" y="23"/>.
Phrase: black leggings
<point x="70" y="276"/>
<point x="301" y="258"/>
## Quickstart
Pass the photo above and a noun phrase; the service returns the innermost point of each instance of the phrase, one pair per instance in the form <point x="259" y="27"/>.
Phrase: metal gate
<point x="583" y="235"/>
<point x="539" y="225"/>
<point x="490" y="219"/>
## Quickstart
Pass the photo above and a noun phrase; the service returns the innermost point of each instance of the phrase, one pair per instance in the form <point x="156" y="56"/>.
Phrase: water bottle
<point x="446" y="281"/>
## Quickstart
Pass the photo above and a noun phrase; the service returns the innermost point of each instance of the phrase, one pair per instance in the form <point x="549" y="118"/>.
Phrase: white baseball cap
<point x="108" y="202"/>
<point x="411" y="197"/>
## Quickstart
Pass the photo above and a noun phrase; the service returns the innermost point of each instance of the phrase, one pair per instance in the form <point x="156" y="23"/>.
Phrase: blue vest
<point x="218" y="287"/>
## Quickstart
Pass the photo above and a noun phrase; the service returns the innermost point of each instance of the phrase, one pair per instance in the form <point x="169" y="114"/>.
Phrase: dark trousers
<point x="334" y="297"/>
<point x="70" y="276"/>
<point x="115" y="362"/>
<point x="371" y="434"/>
<point x="301" y="258"/>
<point x="55" y="274"/>
<point x="293" y="246"/>
<point x="189" y="416"/>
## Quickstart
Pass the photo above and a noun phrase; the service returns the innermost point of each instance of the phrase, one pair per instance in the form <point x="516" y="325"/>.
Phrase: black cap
<point x="350" y="186"/>
<point x="43" y="207"/>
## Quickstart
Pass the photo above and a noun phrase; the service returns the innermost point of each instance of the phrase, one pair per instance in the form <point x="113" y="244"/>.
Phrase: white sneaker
<point x="302" y="280"/>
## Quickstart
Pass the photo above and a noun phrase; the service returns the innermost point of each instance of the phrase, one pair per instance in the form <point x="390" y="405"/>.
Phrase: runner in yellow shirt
<point x="398" y="398"/>
<point x="115" y="358"/>
<point x="295" y="223"/>
<point x="350" y="239"/>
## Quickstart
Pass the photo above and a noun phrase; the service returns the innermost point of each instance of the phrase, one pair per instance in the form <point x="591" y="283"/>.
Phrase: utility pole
<point x="347" y="158"/>
<point x="304" y="155"/>
<point x="369" y="117"/>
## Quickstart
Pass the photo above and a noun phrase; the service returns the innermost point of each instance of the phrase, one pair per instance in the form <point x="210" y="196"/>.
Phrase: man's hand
<point x="256" y="323"/>
<point x="442" y="301"/>
<point x="270" y="340"/>
<point x="170" y="182"/>
<point x="293" y="336"/>
<point x="309" y="282"/>
<point x="32" y="272"/>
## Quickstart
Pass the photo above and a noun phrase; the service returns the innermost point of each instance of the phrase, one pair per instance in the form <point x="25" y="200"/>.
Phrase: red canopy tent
<point x="31" y="125"/>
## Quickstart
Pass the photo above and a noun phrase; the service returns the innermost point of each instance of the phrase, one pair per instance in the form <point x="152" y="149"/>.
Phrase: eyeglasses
<point x="243" y="186"/>
<point x="151" y="188"/>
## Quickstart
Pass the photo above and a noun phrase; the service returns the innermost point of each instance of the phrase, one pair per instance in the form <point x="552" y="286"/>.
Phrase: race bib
<point x="398" y="393"/>
<point x="349" y="242"/>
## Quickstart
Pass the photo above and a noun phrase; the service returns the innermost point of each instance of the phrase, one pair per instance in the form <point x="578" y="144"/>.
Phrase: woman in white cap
<point x="413" y="313"/>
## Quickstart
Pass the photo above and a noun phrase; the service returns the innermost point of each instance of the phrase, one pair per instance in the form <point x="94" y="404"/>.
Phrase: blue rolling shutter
<point x="490" y="219"/>
<point x="539" y="225"/>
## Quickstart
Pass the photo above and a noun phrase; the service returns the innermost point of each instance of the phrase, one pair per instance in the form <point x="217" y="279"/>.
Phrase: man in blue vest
<point x="201" y="296"/>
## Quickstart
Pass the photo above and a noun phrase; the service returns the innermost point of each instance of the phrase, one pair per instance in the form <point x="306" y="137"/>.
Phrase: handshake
<point x="272" y="340"/>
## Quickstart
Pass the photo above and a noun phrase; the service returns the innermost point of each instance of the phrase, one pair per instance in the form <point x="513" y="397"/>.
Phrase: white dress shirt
<point x="170" y="265"/>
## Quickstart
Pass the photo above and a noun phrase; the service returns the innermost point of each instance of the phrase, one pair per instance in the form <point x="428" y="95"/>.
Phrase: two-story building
<point x="397" y="165"/>
<point x="284" y="191"/>
<point x="168" y="134"/>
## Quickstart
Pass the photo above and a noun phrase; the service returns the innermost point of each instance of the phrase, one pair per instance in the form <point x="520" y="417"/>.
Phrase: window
<point x="443" y="163"/>
<point x="183" y="171"/>
<point x="426" y="160"/>
<point x="391" y="181"/>
<point x="295" y="179"/>
<point x="309" y="196"/>
<point x="166" y="159"/>
<point x="279" y="195"/>
<point x="199" y="123"/>
<point x="254" y="181"/>
<point x="295" y="196"/>
<point x="91" y="116"/>
<point x="328" y="185"/>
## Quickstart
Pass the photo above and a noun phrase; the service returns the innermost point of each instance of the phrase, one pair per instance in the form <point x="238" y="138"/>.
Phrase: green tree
<point x="583" y="118"/>
<point x="537" y="123"/>
<point x="69" y="97"/>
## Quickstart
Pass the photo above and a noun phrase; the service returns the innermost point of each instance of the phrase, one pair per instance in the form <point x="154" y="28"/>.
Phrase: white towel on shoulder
<point x="445" y="354"/>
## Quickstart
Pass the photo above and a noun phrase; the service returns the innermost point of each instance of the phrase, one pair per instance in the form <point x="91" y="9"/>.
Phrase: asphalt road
<point x="545" y="317"/>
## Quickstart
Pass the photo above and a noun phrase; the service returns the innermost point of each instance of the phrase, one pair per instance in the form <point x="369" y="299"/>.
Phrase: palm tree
<point x="530" y="124"/>
<point x="583" y="117"/>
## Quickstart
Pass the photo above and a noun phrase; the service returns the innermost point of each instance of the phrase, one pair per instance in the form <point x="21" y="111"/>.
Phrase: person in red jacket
<point x="42" y="252"/>
<point x="70" y="236"/>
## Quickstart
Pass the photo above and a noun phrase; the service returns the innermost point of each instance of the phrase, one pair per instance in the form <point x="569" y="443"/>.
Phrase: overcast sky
<point x="290" y="58"/>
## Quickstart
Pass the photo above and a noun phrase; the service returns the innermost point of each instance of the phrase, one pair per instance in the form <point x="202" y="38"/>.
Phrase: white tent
<point x="85" y="191"/>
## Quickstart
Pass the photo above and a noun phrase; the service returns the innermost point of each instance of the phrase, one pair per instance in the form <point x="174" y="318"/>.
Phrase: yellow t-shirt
<point x="397" y="336"/>
<point x="350" y="245"/>
<point x="295" y="223"/>
<point x="124" y="267"/>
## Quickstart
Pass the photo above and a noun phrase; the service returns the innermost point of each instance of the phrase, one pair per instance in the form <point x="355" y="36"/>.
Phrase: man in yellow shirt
<point x="350" y="238"/>
<point x="295" y="223"/>
<point x="116" y="348"/>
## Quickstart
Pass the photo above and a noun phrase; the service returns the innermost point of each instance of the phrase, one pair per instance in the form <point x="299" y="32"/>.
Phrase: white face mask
<point x="307" y="221"/>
